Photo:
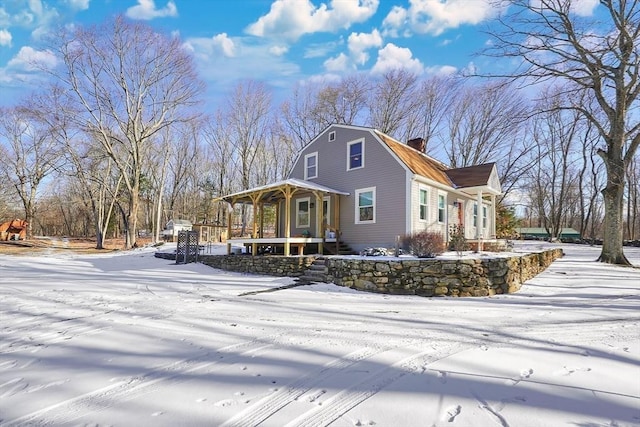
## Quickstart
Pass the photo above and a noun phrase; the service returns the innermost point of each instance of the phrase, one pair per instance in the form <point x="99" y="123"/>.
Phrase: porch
<point x="313" y="222"/>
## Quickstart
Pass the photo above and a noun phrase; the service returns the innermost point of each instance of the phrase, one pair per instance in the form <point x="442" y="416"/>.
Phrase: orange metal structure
<point x="13" y="230"/>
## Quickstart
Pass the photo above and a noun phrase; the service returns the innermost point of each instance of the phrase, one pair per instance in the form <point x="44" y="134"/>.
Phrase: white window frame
<point x="426" y="204"/>
<point x="485" y="212"/>
<point x="358" y="207"/>
<point x="332" y="136"/>
<point x="313" y="155"/>
<point x="349" y="144"/>
<point x="327" y="199"/>
<point x="298" y="202"/>
<point x="475" y="214"/>
<point x="443" y="209"/>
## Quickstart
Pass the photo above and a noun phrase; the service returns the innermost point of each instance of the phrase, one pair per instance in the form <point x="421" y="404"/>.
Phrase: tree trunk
<point x="613" y="194"/>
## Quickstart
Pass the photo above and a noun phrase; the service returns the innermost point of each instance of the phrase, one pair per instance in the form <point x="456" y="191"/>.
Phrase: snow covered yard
<point x="129" y="339"/>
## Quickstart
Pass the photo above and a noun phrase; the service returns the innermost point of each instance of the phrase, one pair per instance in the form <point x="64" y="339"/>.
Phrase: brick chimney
<point x="418" y="144"/>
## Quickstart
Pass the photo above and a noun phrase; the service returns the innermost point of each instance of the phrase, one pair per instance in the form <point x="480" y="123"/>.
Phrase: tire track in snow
<point x="269" y="405"/>
<point x="72" y="409"/>
<point x="344" y="401"/>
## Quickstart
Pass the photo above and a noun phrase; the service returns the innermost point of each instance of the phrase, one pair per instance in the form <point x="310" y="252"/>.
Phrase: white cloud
<point x="218" y="45"/>
<point x="250" y="59"/>
<point x="442" y="70"/>
<point x="290" y="19"/>
<point x="359" y="43"/>
<point x="338" y="64"/>
<point x="279" y="50"/>
<point x="146" y="10"/>
<point x="5" y="38"/>
<point x="436" y="16"/>
<point x="392" y="57"/>
<point x="584" y="7"/>
<point x="29" y="59"/>
<point x="5" y="18"/>
<point x="78" y="4"/>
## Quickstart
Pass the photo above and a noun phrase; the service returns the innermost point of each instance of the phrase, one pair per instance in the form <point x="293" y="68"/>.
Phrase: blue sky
<point x="280" y="42"/>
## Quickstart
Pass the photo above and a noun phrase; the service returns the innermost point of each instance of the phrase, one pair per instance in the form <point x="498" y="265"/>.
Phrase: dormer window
<point x="311" y="165"/>
<point x="355" y="154"/>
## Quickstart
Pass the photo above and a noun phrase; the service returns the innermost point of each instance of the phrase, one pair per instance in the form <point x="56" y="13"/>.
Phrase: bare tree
<point x="314" y="107"/>
<point x="129" y="82"/>
<point x="556" y="133"/>
<point x="425" y="117"/>
<point x="486" y="123"/>
<point x="599" y="56"/>
<point x="29" y="154"/>
<point x="392" y="100"/>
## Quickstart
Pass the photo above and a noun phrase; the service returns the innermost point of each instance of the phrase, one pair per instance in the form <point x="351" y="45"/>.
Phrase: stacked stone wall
<point x="438" y="277"/>
<point x="424" y="277"/>
<point x="270" y="265"/>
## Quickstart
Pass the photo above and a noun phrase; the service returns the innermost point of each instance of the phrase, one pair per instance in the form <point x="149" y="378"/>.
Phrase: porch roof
<point x="277" y="190"/>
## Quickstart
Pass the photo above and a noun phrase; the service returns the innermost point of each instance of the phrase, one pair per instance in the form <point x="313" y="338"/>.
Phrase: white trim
<point x="444" y="208"/>
<point x="357" y="205"/>
<point x="474" y="215"/>
<point x="298" y="223"/>
<point x="306" y="166"/>
<point x="424" y="188"/>
<point x="328" y="200"/>
<point x="332" y="136"/>
<point x="485" y="216"/>
<point x="349" y="144"/>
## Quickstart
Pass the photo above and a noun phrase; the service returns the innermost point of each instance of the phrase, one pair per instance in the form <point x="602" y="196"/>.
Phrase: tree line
<point x="117" y="141"/>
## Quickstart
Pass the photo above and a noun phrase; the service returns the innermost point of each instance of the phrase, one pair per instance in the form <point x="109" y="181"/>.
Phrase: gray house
<point x="357" y="185"/>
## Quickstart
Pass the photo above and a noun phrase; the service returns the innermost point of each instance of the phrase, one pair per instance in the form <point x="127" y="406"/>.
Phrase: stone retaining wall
<point x="270" y="265"/>
<point x="424" y="277"/>
<point x="438" y="277"/>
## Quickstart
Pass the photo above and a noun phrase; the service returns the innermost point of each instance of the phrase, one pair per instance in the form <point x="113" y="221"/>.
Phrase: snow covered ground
<point x="128" y="339"/>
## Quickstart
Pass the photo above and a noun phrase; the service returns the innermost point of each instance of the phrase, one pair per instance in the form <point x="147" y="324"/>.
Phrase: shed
<point x="174" y="226"/>
<point x="541" y="233"/>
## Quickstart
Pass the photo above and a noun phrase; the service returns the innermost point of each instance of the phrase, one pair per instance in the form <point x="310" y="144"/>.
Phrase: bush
<point x="424" y="244"/>
<point x="457" y="241"/>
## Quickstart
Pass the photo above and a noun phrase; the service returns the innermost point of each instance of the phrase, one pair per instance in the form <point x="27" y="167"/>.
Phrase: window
<point x="311" y="165"/>
<point x="475" y="214"/>
<point x="326" y="209"/>
<point x="424" y="197"/>
<point x="355" y="152"/>
<point x="302" y="212"/>
<point x="442" y="208"/>
<point x="366" y="205"/>
<point x="484" y="216"/>
<point x="332" y="136"/>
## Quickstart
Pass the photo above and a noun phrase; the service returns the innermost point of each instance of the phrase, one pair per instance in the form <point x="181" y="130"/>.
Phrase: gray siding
<point x="381" y="170"/>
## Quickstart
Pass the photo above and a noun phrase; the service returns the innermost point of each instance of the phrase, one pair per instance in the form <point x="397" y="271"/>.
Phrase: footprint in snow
<point x="202" y="399"/>
<point x="452" y="413"/>
<point x="568" y="370"/>
<point x="157" y="414"/>
<point x="524" y="374"/>
<point x="359" y="423"/>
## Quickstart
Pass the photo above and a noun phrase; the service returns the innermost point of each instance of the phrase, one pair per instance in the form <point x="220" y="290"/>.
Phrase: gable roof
<point x="417" y="162"/>
<point x="471" y="176"/>
<point x="273" y="191"/>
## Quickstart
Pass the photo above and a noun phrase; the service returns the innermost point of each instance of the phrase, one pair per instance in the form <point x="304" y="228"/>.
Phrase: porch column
<point x="287" y="221"/>
<point x="229" y="219"/>
<point x="254" y="233"/>
<point x="493" y="216"/>
<point x="319" y="220"/>
<point x="479" y="221"/>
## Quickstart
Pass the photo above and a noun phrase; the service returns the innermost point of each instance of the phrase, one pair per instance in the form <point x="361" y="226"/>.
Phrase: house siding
<point x="381" y="170"/>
